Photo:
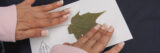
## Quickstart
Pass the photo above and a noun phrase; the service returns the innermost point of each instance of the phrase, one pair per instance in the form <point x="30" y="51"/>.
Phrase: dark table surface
<point x="142" y="17"/>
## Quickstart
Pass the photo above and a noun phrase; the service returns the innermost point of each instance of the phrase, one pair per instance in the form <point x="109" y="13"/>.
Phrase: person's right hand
<point x="96" y="40"/>
<point x="31" y="20"/>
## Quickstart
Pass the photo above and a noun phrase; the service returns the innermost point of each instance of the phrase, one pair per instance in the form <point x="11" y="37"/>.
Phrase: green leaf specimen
<point x="81" y="24"/>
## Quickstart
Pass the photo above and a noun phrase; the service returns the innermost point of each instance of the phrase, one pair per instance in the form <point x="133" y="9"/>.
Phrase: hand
<point x="31" y="20"/>
<point x="96" y="40"/>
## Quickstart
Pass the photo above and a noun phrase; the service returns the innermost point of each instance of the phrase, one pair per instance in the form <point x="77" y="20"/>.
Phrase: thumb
<point x="28" y="2"/>
<point x="32" y="33"/>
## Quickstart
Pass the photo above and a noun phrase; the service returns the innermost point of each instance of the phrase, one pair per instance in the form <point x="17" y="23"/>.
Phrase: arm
<point x="66" y="49"/>
<point x="8" y="21"/>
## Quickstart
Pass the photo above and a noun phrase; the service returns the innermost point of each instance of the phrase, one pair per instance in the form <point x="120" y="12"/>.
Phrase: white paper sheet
<point x="59" y="34"/>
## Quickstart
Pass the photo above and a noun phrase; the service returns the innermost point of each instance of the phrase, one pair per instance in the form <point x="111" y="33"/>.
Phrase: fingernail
<point x="97" y="27"/>
<point x="60" y="2"/>
<point x="44" y="32"/>
<point x="66" y="10"/>
<point x="104" y="27"/>
<point x="65" y="16"/>
<point x="121" y="44"/>
<point x="110" y="29"/>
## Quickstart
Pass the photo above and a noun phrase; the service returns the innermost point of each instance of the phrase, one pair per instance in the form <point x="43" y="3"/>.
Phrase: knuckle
<point x="87" y="36"/>
<point x="84" y="38"/>
<point x="109" y="35"/>
<point x="101" y="42"/>
<point x="27" y="12"/>
<point x="37" y="33"/>
<point x="42" y="7"/>
<point x="60" y="12"/>
<point x="49" y="6"/>
<point x="85" y="47"/>
<point x="44" y="16"/>
<point x="45" y="23"/>
<point x="19" y="35"/>
<point x="77" y="45"/>
<point x="94" y="38"/>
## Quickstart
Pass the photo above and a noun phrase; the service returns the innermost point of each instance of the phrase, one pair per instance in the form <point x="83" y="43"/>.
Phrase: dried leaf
<point x="81" y="24"/>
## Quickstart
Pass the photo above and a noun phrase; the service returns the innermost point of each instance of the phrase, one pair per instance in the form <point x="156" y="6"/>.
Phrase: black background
<point x="142" y="17"/>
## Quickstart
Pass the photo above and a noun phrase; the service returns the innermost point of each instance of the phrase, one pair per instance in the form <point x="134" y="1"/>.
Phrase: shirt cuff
<point x="8" y="21"/>
<point x="66" y="49"/>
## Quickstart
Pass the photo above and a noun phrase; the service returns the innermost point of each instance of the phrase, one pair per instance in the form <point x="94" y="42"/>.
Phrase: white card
<point x="59" y="34"/>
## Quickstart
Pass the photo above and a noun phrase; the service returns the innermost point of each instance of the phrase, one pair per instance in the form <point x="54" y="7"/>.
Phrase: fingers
<point x="53" y="18"/>
<point x="103" y="41"/>
<point x="87" y="36"/>
<point x="50" y="6"/>
<point x="28" y="2"/>
<point x="116" y="49"/>
<point x="20" y="35"/>
<point x="58" y="20"/>
<point x="52" y="15"/>
<point x="42" y="23"/>
<point x="59" y="14"/>
<point x="94" y="38"/>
